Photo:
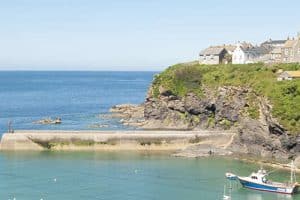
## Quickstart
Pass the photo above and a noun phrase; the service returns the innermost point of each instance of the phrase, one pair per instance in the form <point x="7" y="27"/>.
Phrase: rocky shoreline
<point x="222" y="110"/>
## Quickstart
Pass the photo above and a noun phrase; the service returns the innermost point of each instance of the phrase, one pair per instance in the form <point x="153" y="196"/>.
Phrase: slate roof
<point x="212" y="51"/>
<point x="274" y="42"/>
<point x="257" y="50"/>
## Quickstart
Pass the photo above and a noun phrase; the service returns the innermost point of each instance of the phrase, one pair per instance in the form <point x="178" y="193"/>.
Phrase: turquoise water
<point x="83" y="99"/>
<point x="129" y="176"/>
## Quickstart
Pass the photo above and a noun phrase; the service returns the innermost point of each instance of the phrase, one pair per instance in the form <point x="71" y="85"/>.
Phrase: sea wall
<point x="110" y="140"/>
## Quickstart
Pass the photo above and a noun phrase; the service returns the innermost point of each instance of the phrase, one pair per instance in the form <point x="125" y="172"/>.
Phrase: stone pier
<point x="110" y="140"/>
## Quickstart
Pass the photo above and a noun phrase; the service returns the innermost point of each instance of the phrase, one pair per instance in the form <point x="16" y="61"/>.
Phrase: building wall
<point x="296" y="51"/>
<point x="249" y="56"/>
<point x="238" y="56"/>
<point x="287" y="55"/>
<point x="291" y="54"/>
<point x="284" y="76"/>
<point x="209" y="59"/>
<point x="276" y="57"/>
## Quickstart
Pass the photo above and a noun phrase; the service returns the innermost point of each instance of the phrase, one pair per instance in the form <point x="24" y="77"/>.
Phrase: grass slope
<point x="284" y="95"/>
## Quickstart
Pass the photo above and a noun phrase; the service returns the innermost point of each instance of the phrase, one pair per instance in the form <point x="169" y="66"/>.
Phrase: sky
<point x="132" y="34"/>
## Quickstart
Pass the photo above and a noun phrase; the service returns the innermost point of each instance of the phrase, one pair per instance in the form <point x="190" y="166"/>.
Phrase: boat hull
<point x="267" y="187"/>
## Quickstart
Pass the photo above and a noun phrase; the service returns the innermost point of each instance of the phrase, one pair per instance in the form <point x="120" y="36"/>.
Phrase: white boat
<point x="259" y="181"/>
<point x="231" y="176"/>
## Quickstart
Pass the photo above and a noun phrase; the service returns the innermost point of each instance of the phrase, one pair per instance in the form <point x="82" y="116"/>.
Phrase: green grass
<point x="284" y="96"/>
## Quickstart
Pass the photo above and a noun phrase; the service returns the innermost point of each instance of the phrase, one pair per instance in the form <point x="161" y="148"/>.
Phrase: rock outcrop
<point x="193" y="112"/>
<point x="129" y="114"/>
<point x="225" y="108"/>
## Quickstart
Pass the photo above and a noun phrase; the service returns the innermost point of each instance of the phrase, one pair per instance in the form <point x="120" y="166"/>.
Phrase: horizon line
<point x="76" y="70"/>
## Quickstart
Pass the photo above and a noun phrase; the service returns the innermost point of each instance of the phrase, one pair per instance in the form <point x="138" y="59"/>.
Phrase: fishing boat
<point x="259" y="181"/>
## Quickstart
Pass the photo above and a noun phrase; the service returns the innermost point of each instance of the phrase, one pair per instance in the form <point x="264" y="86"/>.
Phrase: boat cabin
<point x="260" y="176"/>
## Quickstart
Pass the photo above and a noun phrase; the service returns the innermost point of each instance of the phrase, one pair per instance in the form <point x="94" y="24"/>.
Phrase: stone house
<point x="275" y="50"/>
<point x="288" y="51"/>
<point x="288" y="75"/>
<point x="213" y="55"/>
<point x="276" y="55"/>
<point x="291" y="50"/>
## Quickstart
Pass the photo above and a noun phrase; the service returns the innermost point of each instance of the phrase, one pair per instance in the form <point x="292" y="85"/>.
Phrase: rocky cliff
<point x="184" y="101"/>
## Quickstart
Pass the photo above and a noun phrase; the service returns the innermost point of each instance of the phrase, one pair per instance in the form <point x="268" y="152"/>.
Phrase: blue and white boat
<point x="259" y="181"/>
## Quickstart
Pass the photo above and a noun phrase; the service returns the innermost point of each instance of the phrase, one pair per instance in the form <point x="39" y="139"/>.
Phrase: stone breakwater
<point x="175" y="141"/>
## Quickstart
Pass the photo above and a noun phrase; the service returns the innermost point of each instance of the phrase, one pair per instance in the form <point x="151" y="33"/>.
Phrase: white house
<point x="246" y="53"/>
<point x="241" y="54"/>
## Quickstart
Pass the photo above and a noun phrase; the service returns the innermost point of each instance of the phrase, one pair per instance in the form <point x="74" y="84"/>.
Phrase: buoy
<point x="54" y="180"/>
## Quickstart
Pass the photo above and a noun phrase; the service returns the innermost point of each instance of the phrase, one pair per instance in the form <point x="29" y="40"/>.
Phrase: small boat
<point x="231" y="176"/>
<point x="259" y="181"/>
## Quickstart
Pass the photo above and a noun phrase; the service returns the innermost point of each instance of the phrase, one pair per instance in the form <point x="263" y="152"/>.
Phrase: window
<point x="286" y="52"/>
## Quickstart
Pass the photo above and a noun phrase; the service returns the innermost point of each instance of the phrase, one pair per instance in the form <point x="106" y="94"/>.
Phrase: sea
<point x="82" y="100"/>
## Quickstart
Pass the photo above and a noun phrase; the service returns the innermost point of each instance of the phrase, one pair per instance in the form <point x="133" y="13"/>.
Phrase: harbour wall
<point x="110" y="140"/>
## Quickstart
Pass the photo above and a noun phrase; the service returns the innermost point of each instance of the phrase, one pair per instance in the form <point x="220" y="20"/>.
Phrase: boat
<point x="259" y="181"/>
<point x="231" y="176"/>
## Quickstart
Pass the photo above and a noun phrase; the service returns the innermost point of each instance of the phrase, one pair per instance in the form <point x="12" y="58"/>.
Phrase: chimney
<point x="298" y="35"/>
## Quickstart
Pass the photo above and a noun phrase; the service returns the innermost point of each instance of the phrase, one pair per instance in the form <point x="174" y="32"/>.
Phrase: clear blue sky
<point x="132" y="34"/>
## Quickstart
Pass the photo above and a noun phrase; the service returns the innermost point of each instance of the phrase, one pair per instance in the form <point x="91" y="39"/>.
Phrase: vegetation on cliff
<point x="261" y="79"/>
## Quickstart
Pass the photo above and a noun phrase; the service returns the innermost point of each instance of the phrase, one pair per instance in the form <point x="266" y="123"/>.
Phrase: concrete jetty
<point x="110" y="140"/>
